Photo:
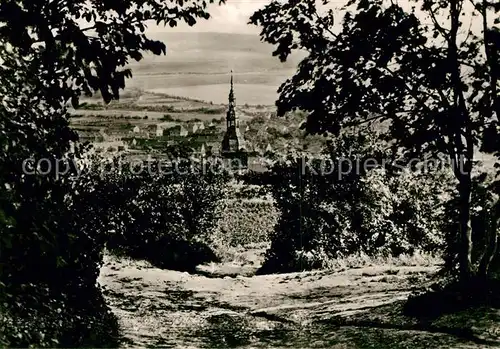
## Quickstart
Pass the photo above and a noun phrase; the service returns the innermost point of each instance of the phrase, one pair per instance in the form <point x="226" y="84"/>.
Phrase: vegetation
<point x="331" y="210"/>
<point x="152" y="108"/>
<point x="167" y="117"/>
<point x="58" y="219"/>
<point x="170" y="213"/>
<point x="434" y="80"/>
<point x="433" y="89"/>
<point x="244" y="222"/>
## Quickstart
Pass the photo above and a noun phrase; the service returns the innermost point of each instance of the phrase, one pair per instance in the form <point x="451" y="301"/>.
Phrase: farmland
<point x="138" y="114"/>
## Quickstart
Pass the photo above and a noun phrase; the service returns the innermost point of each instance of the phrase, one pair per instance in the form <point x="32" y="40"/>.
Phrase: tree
<point x="86" y="45"/>
<point x="48" y="58"/>
<point x="165" y="209"/>
<point x="52" y="52"/>
<point x="428" y="72"/>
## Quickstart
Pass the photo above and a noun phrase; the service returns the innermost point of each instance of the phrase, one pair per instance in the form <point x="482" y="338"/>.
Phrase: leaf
<point x="75" y="102"/>
<point x="136" y="55"/>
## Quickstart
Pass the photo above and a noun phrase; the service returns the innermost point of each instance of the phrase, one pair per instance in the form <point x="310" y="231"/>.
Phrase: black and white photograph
<point x="250" y="174"/>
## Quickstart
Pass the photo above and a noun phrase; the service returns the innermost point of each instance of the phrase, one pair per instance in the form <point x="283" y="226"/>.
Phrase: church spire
<point x="233" y="141"/>
<point x="232" y="100"/>
<point x="231" y="118"/>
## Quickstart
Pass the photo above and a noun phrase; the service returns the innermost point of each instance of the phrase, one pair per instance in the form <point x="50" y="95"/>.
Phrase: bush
<point x="172" y="212"/>
<point x="49" y="289"/>
<point x="341" y="212"/>
<point x="52" y="226"/>
<point x="245" y="222"/>
<point x="38" y="318"/>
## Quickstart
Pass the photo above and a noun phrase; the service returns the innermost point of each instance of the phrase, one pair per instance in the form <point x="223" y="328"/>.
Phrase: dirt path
<point x="356" y="308"/>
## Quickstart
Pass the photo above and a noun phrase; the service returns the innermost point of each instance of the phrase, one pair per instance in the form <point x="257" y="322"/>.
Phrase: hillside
<point x="131" y="125"/>
<point x="212" y="53"/>
<point x="196" y="70"/>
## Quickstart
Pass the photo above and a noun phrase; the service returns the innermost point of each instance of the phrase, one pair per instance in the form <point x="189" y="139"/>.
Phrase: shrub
<point x="39" y="317"/>
<point x="52" y="226"/>
<point x="44" y="269"/>
<point x="168" y="212"/>
<point x="246" y="222"/>
<point x="335" y="212"/>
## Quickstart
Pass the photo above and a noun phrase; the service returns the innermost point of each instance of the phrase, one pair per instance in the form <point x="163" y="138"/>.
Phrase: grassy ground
<point x="225" y="306"/>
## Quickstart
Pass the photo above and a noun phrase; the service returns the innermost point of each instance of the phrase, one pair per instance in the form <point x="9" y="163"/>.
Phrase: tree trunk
<point x="465" y="249"/>
<point x="492" y="244"/>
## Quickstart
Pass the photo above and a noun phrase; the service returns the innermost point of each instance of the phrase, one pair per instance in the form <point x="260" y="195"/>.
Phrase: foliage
<point x="426" y="71"/>
<point x="59" y="303"/>
<point x="92" y="42"/>
<point x="169" y="209"/>
<point x="53" y="224"/>
<point x="485" y="214"/>
<point x="341" y="205"/>
<point x="39" y="318"/>
<point x="245" y="221"/>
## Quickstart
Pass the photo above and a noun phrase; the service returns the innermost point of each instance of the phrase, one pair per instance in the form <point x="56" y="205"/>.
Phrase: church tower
<point x="233" y="141"/>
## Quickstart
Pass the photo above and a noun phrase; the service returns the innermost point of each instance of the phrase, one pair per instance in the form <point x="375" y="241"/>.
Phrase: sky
<point x="231" y="17"/>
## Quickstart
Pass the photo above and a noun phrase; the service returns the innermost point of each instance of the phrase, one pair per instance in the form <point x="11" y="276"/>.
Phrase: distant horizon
<point x="197" y="65"/>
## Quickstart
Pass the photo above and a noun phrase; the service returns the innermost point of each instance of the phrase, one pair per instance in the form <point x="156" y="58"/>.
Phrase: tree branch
<point x="444" y="33"/>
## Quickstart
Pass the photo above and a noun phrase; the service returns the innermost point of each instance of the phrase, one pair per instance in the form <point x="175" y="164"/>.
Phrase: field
<point x="113" y="126"/>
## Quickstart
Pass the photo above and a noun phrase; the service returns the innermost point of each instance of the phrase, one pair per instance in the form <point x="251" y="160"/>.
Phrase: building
<point x="233" y="143"/>
<point x="175" y="131"/>
<point x="183" y="132"/>
<point x="160" y="128"/>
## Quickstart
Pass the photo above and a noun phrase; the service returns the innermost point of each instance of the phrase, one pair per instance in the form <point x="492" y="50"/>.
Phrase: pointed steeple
<point x="232" y="100"/>
<point x="231" y="118"/>
<point x="233" y="141"/>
